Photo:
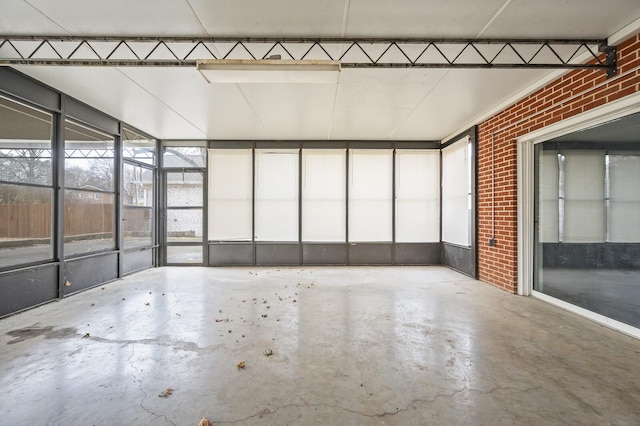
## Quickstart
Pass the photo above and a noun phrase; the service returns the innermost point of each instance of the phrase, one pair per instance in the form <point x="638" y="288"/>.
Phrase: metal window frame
<point x="347" y="146"/>
<point x="163" y="206"/>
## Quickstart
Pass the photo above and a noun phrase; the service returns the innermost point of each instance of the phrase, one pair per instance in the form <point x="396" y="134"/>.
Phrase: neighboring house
<point x="89" y="195"/>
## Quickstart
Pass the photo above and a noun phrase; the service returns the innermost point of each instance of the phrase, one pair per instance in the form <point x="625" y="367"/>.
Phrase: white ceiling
<point x="366" y="104"/>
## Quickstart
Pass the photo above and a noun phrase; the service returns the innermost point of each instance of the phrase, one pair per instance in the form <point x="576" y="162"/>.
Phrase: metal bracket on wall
<point x="352" y="52"/>
<point x="611" y="59"/>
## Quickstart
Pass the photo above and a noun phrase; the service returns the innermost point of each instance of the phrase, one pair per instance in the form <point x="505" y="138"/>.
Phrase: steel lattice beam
<point x="352" y="53"/>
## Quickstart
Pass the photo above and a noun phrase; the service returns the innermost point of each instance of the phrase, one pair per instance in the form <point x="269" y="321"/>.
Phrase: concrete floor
<point x="351" y="346"/>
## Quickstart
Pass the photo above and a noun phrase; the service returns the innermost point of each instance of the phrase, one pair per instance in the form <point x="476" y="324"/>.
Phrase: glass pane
<point x="138" y="147"/>
<point x="184" y="189"/>
<point x="88" y="159"/>
<point x="584" y="221"/>
<point x="184" y="225"/>
<point x="181" y="156"/>
<point x="276" y="195"/>
<point x="417" y="196"/>
<point x="137" y="227"/>
<point x="184" y="254"/>
<point x="456" y="190"/>
<point x="596" y="265"/>
<point x="584" y="187"/>
<point x="548" y="196"/>
<point x="25" y="224"/>
<point x="25" y="144"/>
<point x="230" y="194"/>
<point x="137" y="186"/>
<point x="88" y="222"/>
<point x="370" y="190"/>
<point x="624" y="217"/>
<point x="324" y="195"/>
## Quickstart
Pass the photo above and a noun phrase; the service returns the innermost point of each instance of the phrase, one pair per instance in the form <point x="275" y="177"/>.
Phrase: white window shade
<point x="624" y="207"/>
<point x="456" y="193"/>
<point x="417" y="196"/>
<point x="230" y="193"/>
<point x="276" y="186"/>
<point x="323" y="195"/>
<point x="584" y="189"/>
<point x="370" y="191"/>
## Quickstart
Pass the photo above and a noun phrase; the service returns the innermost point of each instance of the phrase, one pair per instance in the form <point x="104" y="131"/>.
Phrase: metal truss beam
<point x="88" y="153"/>
<point x="25" y="153"/>
<point x="352" y="53"/>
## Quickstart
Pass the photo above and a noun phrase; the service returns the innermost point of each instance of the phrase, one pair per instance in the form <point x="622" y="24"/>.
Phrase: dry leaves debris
<point x="205" y="422"/>
<point x="165" y="393"/>
<point x="241" y="364"/>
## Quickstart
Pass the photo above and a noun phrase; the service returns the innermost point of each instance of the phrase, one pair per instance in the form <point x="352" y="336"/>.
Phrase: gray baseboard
<point x="278" y="254"/>
<point x="231" y="254"/>
<point x="324" y="254"/>
<point x="28" y="287"/>
<point x="459" y="258"/>
<point x="87" y="272"/>
<point x="136" y="260"/>
<point x="417" y="254"/>
<point x="370" y="253"/>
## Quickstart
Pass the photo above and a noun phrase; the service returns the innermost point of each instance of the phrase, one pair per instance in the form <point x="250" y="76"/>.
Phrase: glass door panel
<point x="184" y="217"/>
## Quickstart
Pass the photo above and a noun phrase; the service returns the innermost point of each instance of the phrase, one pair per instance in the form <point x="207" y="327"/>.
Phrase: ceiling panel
<point x="293" y="111"/>
<point x="371" y="103"/>
<point x="411" y="18"/>
<point x="271" y="17"/>
<point x="563" y="19"/>
<point x="219" y="110"/>
<point x="108" y="90"/>
<point x="461" y="96"/>
<point x="18" y="17"/>
<point x="123" y="17"/>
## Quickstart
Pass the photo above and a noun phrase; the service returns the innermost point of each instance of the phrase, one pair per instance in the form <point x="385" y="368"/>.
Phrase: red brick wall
<point x="575" y="92"/>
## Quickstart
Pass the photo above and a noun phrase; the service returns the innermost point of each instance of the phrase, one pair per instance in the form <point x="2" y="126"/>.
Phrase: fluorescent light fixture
<point x="269" y="71"/>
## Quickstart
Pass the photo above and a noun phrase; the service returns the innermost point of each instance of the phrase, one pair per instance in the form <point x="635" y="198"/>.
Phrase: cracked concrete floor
<point x="351" y="346"/>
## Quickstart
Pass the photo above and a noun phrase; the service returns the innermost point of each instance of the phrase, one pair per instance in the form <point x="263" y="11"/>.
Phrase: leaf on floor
<point x="241" y="364"/>
<point x="165" y="393"/>
<point x="205" y="422"/>
<point x="268" y="352"/>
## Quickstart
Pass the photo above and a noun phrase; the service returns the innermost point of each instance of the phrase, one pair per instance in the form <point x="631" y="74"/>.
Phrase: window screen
<point x="323" y="195"/>
<point x="456" y="193"/>
<point x="370" y="190"/>
<point x="230" y="192"/>
<point x="276" y="186"/>
<point x="417" y="196"/>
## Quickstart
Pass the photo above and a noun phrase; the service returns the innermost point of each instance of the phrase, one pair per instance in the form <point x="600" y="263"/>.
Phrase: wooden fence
<point x="34" y="220"/>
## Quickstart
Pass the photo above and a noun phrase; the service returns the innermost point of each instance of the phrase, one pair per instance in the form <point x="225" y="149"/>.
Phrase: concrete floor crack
<point x="144" y="394"/>
<point x="267" y="411"/>
<point x="509" y="388"/>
